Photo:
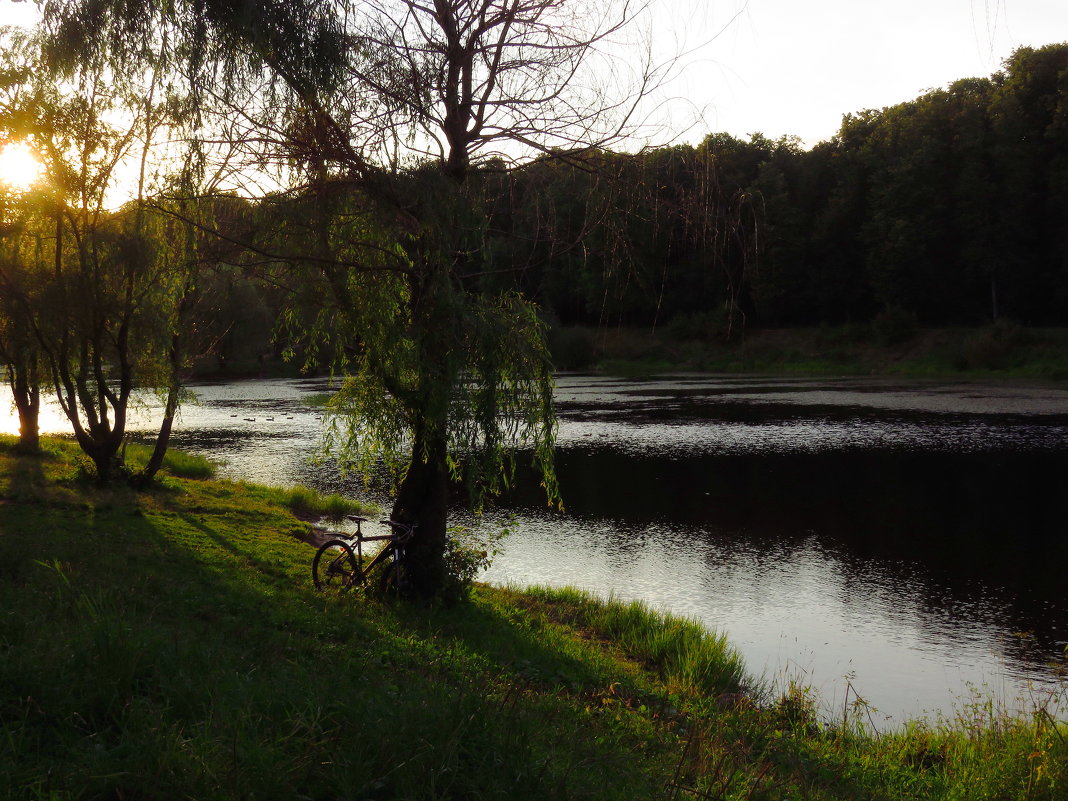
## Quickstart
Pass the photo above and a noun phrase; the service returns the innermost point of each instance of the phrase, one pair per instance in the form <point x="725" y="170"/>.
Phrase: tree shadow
<point x="27" y="476"/>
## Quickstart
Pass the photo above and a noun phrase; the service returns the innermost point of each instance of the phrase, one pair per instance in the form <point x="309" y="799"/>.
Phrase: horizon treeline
<point x="947" y="210"/>
<point x="951" y="208"/>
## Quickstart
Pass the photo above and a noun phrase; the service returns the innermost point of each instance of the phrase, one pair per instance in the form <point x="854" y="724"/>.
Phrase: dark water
<point x="907" y="538"/>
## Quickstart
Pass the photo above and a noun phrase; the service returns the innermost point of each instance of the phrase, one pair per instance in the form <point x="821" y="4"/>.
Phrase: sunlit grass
<point x="175" y="462"/>
<point x="687" y="656"/>
<point x="308" y="502"/>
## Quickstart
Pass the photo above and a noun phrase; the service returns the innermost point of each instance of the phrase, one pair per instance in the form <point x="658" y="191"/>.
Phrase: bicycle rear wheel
<point x="335" y="568"/>
<point x="395" y="580"/>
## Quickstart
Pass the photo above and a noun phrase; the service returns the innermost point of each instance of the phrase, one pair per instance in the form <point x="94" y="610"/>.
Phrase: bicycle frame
<point x="391" y="549"/>
<point x="349" y="566"/>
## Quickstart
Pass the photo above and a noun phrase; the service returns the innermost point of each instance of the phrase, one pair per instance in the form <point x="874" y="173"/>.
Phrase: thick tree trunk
<point x="105" y="457"/>
<point x="27" y="395"/>
<point x="29" y="413"/>
<point x="423" y="499"/>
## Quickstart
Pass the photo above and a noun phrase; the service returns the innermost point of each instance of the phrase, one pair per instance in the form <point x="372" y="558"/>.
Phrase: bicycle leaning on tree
<point x="341" y="565"/>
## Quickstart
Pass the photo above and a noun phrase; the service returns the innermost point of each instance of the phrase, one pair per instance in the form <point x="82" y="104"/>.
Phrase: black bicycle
<point x="340" y="564"/>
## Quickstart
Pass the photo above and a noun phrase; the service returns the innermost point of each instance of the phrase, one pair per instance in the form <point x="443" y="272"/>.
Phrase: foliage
<point x="945" y="207"/>
<point x="843" y="350"/>
<point x="380" y="121"/>
<point x="439" y="170"/>
<point x="572" y="348"/>
<point x="996" y="347"/>
<point x="894" y="326"/>
<point x="495" y="393"/>
<point x="103" y="293"/>
<point x="467" y="556"/>
<point x="707" y="326"/>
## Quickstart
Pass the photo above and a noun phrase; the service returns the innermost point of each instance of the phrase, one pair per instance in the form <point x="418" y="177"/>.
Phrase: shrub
<point x="894" y="326"/>
<point x="572" y="348"/>
<point x="466" y="555"/>
<point x="995" y="347"/>
<point x="712" y="325"/>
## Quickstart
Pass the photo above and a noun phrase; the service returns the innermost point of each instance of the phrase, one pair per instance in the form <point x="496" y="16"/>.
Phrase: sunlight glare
<point x="19" y="167"/>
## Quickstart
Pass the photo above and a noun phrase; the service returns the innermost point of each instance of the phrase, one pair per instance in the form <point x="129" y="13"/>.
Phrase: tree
<point x="97" y="290"/>
<point x="1029" y="122"/>
<point x="384" y="117"/>
<point x="19" y="353"/>
<point x="18" y="350"/>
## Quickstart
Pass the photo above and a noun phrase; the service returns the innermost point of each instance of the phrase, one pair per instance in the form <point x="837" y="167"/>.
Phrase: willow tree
<point x="99" y="291"/>
<point x="382" y="117"/>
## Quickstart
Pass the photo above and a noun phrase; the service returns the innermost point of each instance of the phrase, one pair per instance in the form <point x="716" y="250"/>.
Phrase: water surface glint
<point x="906" y="537"/>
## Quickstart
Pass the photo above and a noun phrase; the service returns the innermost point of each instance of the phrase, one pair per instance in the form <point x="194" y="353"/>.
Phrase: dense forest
<point x="950" y="209"/>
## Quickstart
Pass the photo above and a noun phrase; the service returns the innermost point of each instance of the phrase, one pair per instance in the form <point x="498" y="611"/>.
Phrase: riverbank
<point x="891" y="347"/>
<point x="169" y="644"/>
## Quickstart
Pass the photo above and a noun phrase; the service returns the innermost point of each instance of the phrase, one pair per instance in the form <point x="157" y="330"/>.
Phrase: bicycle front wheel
<point x="335" y="568"/>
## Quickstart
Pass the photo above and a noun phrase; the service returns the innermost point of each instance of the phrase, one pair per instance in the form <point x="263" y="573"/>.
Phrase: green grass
<point x="169" y="644"/>
<point x="175" y="462"/>
<point x="307" y="502"/>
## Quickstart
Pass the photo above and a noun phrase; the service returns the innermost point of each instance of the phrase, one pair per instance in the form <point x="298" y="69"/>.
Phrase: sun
<point x="19" y="167"/>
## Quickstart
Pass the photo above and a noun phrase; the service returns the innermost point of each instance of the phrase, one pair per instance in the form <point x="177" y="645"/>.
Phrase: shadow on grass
<point x="156" y="652"/>
<point x="26" y="477"/>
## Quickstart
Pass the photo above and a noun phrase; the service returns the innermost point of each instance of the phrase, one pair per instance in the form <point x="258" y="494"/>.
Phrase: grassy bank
<point x="1004" y="350"/>
<point x="169" y="645"/>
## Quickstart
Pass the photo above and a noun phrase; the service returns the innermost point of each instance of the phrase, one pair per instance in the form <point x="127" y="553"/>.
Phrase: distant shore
<point x="1002" y="350"/>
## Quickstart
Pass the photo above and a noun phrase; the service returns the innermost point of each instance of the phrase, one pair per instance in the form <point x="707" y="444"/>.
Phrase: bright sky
<point x="796" y="66"/>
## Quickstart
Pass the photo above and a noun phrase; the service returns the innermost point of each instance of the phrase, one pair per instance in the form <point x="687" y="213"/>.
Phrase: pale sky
<point x="796" y="66"/>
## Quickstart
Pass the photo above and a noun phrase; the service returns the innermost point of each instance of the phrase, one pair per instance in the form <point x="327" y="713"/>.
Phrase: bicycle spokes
<point x="335" y="568"/>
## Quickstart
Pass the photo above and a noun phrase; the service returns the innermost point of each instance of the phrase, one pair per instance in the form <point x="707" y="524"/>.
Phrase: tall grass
<point x="308" y="502"/>
<point x="176" y="462"/>
<point x="688" y="657"/>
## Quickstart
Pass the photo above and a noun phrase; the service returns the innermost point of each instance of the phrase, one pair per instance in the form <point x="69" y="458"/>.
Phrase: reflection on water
<point x="907" y="535"/>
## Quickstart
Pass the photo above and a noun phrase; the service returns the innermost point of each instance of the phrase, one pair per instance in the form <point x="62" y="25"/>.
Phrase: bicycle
<point x="340" y="564"/>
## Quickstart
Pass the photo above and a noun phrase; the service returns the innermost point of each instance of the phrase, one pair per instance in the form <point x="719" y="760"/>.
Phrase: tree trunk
<point x="104" y="451"/>
<point x="27" y="396"/>
<point x="423" y="499"/>
<point x="163" y="438"/>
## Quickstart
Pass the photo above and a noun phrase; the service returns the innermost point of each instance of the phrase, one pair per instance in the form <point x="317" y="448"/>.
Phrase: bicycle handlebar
<point x="404" y="530"/>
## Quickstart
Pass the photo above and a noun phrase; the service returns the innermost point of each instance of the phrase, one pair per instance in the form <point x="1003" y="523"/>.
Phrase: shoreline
<point x="182" y="630"/>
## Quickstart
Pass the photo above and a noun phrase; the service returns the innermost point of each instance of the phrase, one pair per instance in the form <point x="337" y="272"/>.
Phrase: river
<point x="904" y="540"/>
